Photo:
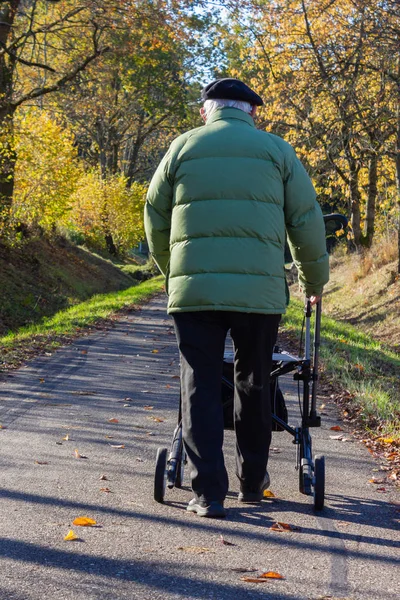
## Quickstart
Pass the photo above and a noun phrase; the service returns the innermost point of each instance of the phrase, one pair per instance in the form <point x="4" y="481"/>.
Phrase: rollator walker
<point x="170" y="467"/>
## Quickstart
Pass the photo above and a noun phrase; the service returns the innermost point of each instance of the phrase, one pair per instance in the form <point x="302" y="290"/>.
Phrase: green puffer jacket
<point x="216" y="213"/>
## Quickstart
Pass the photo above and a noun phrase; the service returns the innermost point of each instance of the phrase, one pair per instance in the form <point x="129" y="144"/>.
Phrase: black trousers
<point x="201" y="340"/>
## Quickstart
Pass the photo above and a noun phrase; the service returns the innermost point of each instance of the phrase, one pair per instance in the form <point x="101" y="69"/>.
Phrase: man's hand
<point x="314" y="300"/>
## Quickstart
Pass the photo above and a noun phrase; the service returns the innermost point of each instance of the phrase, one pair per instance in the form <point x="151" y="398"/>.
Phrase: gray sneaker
<point x="251" y="495"/>
<point x="214" y="510"/>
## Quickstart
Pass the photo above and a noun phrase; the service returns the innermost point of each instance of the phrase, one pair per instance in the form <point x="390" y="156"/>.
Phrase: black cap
<point x="230" y="89"/>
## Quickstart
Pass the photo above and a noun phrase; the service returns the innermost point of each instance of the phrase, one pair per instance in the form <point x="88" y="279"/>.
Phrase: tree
<point x="43" y="46"/>
<point x="309" y="59"/>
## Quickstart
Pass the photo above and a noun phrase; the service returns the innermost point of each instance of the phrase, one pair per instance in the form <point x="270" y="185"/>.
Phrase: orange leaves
<point x="268" y="494"/>
<point x="281" y="527"/>
<point x="336" y="428"/>
<point x="113" y="420"/>
<point x="157" y="419"/>
<point x="71" y="536"/>
<point x="263" y="577"/>
<point x="118" y="446"/>
<point x="84" y="522"/>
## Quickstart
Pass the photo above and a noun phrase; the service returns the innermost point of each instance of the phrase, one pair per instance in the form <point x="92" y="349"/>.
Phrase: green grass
<point x="368" y="371"/>
<point x="52" y="331"/>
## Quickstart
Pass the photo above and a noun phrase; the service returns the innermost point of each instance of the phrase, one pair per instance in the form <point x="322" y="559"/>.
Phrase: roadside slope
<point x="41" y="277"/>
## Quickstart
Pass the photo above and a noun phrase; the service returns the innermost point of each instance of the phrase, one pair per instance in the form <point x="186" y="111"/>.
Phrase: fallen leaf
<point x="2" y="427"/>
<point x="41" y="462"/>
<point x="84" y="393"/>
<point x="66" y="438"/>
<point x="225" y="542"/>
<point x="42" y="380"/>
<point x="263" y="577"/>
<point x="84" y="522"/>
<point x="268" y="494"/>
<point x="278" y="526"/>
<point x="155" y="351"/>
<point x="336" y="437"/>
<point x="77" y="455"/>
<point x="117" y="446"/>
<point x="322" y="407"/>
<point x="336" y="428"/>
<point x="113" y="421"/>
<point x="103" y="478"/>
<point x="71" y="536"/>
<point x="175" y="377"/>
<point x="167" y="386"/>
<point x="275" y="450"/>
<point x="383" y="440"/>
<point x="194" y="549"/>
<point x="157" y="419"/>
<point x="84" y="352"/>
<point x="106" y="489"/>
<point x="373" y="480"/>
<point x="381" y="489"/>
<point x="148" y="407"/>
<point x="109" y="437"/>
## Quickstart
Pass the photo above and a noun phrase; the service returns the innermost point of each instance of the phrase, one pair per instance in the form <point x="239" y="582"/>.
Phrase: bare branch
<point x="37" y="92"/>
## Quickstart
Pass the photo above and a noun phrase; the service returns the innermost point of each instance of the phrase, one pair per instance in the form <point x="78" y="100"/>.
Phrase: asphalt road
<point x="143" y="550"/>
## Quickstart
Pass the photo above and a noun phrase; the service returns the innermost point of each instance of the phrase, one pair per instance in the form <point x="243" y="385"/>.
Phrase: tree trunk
<point x="398" y="166"/>
<point x="7" y="165"/>
<point x="355" y="208"/>
<point x="371" y="201"/>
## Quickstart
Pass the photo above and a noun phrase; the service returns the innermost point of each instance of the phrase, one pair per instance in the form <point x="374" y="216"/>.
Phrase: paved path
<point x="143" y="550"/>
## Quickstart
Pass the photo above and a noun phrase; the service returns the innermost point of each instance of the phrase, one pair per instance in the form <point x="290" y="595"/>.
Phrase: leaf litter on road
<point x="225" y="542"/>
<point x="263" y="577"/>
<point x="77" y="455"/>
<point x="278" y="526"/>
<point x="71" y="536"/>
<point x="84" y="522"/>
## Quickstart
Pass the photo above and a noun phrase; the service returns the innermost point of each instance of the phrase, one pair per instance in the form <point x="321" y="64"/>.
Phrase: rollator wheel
<point x="319" y="482"/>
<point x="180" y="471"/>
<point x="160" y="475"/>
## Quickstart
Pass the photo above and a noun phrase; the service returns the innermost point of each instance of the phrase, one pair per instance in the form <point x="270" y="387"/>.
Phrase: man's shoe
<point x="213" y="510"/>
<point x="251" y="495"/>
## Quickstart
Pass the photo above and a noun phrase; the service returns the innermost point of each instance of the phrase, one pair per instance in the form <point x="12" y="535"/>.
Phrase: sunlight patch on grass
<point x="360" y="364"/>
<point x="51" y="332"/>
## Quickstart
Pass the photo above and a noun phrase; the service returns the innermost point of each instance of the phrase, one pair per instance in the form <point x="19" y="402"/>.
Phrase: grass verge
<point x="366" y="371"/>
<point x="65" y="325"/>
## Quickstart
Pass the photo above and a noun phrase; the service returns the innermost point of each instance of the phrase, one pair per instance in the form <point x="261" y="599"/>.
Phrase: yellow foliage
<point x="99" y="207"/>
<point x="47" y="169"/>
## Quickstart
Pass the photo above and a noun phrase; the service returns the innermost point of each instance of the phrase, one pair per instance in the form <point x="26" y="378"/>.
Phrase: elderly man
<point x="216" y="214"/>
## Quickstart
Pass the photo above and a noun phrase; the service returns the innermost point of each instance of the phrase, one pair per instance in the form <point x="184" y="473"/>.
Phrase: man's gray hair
<point x="211" y="105"/>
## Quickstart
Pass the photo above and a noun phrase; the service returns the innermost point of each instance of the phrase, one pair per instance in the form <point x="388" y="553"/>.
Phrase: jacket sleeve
<point x="305" y="228"/>
<point x="157" y="214"/>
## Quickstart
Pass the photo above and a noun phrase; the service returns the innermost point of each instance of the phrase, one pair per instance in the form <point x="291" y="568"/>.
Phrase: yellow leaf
<point x="155" y="351"/>
<point x="268" y="494"/>
<point x="84" y="522"/>
<point x="66" y="438"/>
<point x="71" y="536"/>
